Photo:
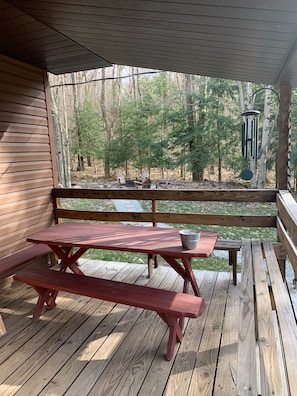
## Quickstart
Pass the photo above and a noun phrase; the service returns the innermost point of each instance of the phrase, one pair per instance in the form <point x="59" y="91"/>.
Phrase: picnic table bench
<point x="171" y="306"/>
<point x="267" y="345"/>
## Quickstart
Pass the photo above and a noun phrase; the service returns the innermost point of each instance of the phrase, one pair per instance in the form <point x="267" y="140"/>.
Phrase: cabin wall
<point x="27" y="170"/>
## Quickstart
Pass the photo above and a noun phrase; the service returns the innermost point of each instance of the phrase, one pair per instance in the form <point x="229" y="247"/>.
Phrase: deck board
<point x="227" y="362"/>
<point x="90" y="347"/>
<point x="203" y="376"/>
<point x="180" y="378"/>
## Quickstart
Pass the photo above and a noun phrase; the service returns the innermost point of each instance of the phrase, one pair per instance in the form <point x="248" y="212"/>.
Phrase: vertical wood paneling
<point x="26" y="161"/>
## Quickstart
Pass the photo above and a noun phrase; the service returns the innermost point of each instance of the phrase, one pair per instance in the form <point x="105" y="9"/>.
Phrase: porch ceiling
<point x="231" y="39"/>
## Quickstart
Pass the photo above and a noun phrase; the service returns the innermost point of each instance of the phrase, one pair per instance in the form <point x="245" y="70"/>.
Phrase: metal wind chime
<point x="250" y="127"/>
<point x="249" y="139"/>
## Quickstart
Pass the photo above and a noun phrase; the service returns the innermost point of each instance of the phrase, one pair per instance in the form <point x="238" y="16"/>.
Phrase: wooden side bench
<point x="172" y="307"/>
<point x="9" y="264"/>
<point x="233" y="247"/>
<point x="267" y="346"/>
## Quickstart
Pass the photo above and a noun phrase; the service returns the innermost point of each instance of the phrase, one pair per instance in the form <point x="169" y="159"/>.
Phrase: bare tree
<point x="80" y="159"/>
<point x="60" y="123"/>
<point x="109" y="104"/>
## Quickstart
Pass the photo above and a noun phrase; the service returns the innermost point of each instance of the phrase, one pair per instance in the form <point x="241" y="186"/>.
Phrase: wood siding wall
<point x="26" y="166"/>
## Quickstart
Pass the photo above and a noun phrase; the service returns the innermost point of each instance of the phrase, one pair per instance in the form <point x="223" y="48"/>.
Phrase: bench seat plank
<point x="228" y="244"/>
<point x="11" y="263"/>
<point x="171" y="306"/>
<point x="285" y="314"/>
<point x="271" y="331"/>
<point x="246" y="381"/>
<point x="163" y="301"/>
<point x="272" y="377"/>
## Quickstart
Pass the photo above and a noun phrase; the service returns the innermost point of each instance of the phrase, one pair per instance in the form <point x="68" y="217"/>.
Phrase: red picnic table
<point x="65" y="237"/>
<point x="70" y="240"/>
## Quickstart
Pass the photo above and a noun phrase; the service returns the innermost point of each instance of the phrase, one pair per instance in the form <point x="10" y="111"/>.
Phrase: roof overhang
<point x="230" y="39"/>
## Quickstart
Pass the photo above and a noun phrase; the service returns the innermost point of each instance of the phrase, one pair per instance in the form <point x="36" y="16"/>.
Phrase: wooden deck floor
<point x="91" y="347"/>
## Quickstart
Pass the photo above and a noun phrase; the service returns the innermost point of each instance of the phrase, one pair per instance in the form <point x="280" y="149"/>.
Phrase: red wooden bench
<point x="11" y="263"/>
<point x="172" y="307"/>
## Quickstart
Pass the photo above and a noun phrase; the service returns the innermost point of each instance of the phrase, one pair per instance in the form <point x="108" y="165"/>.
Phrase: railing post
<point x="154" y="210"/>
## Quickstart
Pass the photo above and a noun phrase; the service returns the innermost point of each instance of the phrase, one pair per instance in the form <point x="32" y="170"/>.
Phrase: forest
<point x="125" y="118"/>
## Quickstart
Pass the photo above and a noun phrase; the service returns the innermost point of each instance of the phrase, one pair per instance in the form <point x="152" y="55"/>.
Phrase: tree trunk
<point x="197" y="175"/>
<point x="107" y="126"/>
<point x="241" y="97"/>
<point x="109" y="105"/>
<point x="80" y="163"/>
<point x="65" y="140"/>
<point x="80" y="160"/>
<point x="58" y="145"/>
<point x="89" y="160"/>
<point x="58" y="101"/>
<point x="219" y="164"/>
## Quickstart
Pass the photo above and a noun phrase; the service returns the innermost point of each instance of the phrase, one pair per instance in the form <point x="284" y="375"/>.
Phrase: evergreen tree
<point x="89" y="123"/>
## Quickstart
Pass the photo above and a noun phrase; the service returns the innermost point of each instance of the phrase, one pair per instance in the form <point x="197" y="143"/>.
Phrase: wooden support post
<point x="284" y="138"/>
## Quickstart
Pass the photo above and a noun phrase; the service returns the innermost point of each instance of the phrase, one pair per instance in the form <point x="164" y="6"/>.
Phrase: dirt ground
<point x="170" y="181"/>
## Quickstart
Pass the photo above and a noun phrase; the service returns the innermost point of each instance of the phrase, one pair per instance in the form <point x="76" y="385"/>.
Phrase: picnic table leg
<point x="69" y="259"/>
<point x="186" y="272"/>
<point x="152" y="261"/>
<point x="233" y="262"/>
<point x="156" y="261"/>
<point x="187" y="262"/>
<point x="46" y="296"/>
<point x="179" y="269"/>
<point x="175" y="333"/>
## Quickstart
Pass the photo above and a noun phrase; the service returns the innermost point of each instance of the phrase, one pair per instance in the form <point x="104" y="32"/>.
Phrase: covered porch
<point x="93" y="347"/>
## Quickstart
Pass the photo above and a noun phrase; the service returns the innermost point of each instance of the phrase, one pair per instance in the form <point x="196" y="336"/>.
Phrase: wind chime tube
<point x="243" y="140"/>
<point x="252" y="140"/>
<point x="247" y="138"/>
<point x="256" y="138"/>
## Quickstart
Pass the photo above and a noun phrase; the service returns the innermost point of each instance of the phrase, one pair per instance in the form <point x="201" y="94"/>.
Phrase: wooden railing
<point x="285" y="221"/>
<point x="156" y="216"/>
<point x="287" y="225"/>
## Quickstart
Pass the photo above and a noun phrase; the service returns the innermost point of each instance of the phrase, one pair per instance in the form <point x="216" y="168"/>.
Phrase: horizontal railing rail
<point x="156" y="216"/>
<point x="170" y="218"/>
<point x="244" y="195"/>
